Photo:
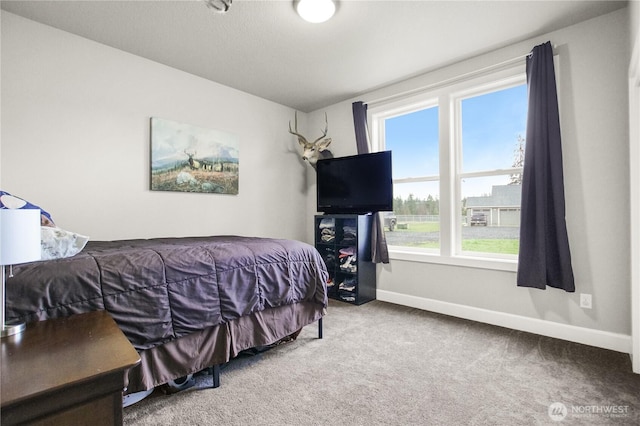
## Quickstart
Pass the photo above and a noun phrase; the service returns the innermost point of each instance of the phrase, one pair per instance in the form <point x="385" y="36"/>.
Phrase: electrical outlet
<point x="585" y="300"/>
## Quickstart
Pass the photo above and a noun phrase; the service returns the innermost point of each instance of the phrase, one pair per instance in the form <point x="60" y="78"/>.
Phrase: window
<point x="458" y="153"/>
<point x="414" y="141"/>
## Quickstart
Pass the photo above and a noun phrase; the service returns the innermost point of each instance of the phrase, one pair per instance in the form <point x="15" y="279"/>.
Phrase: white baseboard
<point x="601" y="339"/>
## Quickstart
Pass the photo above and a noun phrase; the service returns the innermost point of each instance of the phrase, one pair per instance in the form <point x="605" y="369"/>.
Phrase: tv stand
<point x="344" y="242"/>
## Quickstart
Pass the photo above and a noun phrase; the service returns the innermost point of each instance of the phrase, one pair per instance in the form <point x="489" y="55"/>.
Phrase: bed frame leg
<point x="216" y="375"/>
<point x="320" y="328"/>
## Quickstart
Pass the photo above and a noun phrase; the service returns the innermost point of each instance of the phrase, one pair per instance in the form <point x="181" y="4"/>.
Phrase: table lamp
<point x="19" y="243"/>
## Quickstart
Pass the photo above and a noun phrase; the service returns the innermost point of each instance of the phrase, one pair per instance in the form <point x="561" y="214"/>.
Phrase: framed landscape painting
<point x="187" y="158"/>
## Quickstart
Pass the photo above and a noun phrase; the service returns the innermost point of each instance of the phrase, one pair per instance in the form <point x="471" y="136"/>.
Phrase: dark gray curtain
<point x="544" y="258"/>
<point x="379" y="251"/>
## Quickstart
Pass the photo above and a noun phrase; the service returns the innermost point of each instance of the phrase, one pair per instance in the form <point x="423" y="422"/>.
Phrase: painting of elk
<point x="316" y="150"/>
<point x="187" y="158"/>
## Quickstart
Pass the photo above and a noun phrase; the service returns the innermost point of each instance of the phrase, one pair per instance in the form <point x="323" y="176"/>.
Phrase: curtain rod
<point x="449" y="81"/>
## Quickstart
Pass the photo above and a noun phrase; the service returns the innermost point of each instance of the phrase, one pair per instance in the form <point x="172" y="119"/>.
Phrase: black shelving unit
<point x="344" y="242"/>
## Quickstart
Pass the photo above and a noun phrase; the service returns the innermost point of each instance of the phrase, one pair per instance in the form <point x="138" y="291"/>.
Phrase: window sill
<point x="401" y="253"/>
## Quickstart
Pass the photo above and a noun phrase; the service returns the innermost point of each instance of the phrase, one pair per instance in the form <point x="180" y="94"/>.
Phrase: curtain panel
<point x="544" y="257"/>
<point x="379" y="250"/>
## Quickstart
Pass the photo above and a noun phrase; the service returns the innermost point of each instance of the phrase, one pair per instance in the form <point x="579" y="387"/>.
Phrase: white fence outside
<point x="418" y="218"/>
<point x="423" y="218"/>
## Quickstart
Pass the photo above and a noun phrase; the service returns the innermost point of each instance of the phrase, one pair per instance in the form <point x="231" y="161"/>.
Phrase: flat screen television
<point x="357" y="184"/>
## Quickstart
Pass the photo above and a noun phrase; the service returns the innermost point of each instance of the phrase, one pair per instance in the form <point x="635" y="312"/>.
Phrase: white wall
<point x="634" y="13"/>
<point x="593" y="64"/>
<point x="75" y="139"/>
<point x="634" y="162"/>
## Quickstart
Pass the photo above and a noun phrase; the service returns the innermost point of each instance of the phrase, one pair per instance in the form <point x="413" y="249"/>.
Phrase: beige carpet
<point x="383" y="364"/>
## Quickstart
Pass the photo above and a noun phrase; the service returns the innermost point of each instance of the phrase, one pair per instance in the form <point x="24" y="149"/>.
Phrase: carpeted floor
<point x="383" y="364"/>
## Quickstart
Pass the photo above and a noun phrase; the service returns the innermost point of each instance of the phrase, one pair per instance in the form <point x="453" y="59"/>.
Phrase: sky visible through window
<point x="491" y="125"/>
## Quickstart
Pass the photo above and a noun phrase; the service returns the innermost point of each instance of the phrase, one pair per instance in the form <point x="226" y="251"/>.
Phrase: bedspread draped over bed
<point x="160" y="290"/>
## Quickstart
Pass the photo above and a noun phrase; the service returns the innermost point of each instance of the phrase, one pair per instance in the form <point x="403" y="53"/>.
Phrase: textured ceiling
<point x="263" y="48"/>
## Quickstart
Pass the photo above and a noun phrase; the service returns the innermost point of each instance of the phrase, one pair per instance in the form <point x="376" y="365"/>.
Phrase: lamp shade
<point x="19" y="236"/>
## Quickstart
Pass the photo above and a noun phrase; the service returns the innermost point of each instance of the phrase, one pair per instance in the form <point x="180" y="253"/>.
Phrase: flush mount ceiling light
<point x="316" y="11"/>
<point x="220" y="6"/>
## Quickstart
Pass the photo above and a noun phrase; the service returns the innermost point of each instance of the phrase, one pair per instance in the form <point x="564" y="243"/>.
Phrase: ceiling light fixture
<point x="220" y="6"/>
<point x="316" y="11"/>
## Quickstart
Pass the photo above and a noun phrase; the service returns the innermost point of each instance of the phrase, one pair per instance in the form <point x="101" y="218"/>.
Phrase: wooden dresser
<point x="66" y="371"/>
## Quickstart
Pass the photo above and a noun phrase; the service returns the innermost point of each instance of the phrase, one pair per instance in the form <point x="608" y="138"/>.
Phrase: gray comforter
<point x="161" y="289"/>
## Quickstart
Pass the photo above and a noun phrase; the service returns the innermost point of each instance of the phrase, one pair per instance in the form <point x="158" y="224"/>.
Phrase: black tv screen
<point x="355" y="184"/>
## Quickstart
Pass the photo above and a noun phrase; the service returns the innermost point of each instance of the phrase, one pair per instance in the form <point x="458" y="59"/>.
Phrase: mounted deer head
<point x="316" y="150"/>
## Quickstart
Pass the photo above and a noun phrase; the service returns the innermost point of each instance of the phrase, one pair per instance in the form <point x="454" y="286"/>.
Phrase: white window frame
<point x="448" y="99"/>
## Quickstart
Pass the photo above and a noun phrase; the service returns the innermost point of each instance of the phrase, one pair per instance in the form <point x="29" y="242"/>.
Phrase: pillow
<point x="58" y="243"/>
<point x="8" y="201"/>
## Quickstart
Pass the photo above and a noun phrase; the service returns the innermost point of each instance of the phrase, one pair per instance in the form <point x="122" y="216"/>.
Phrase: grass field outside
<point x="491" y="246"/>
<point x="497" y="240"/>
<point x="422" y="227"/>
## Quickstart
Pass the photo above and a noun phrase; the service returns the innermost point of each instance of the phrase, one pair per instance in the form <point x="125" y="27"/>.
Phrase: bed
<point x="185" y="304"/>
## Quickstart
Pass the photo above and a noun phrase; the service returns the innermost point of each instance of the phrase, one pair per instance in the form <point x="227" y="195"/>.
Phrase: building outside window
<point x="458" y="153"/>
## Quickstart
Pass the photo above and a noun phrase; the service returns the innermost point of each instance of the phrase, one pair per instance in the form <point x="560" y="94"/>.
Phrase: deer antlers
<point x="313" y="151"/>
<point x="301" y="138"/>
